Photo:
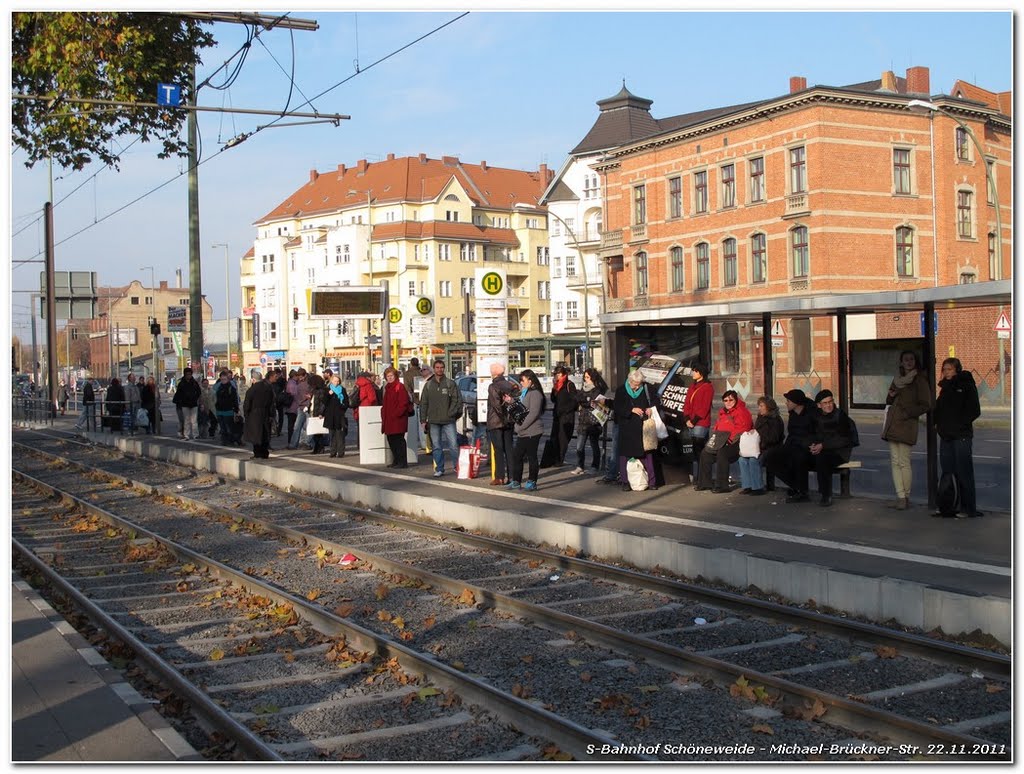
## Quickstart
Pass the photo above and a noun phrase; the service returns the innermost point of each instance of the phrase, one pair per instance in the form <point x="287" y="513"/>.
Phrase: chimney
<point x="545" y="174"/>
<point x="483" y="165"/>
<point x="888" y="81"/>
<point x="918" y="80"/>
<point x="361" y="166"/>
<point x="391" y="157"/>
<point x="313" y="175"/>
<point x="797" y="83"/>
<point x="423" y="158"/>
<point x="163" y="284"/>
<point x="177" y="278"/>
<point x="341" y="170"/>
<point x="450" y="161"/>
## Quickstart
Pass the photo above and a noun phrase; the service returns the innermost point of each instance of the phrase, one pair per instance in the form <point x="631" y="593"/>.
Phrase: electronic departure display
<point x="360" y="303"/>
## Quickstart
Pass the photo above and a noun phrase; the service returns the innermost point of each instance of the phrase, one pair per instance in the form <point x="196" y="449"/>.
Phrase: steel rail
<point x="532" y="720"/>
<point x="200" y="703"/>
<point x="850" y="714"/>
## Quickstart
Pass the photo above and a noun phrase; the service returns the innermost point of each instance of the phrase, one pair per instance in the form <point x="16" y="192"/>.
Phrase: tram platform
<point x="69" y="705"/>
<point x="858" y="557"/>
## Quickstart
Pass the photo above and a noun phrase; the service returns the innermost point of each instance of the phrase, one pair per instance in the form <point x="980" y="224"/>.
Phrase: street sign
<point x="424" y="306"/>
<point x="935" y="322"/>
<point x="422" y="331"/>
<point x="263" y="358"/>
<point x="206" y="353"/>
<point x="778" y="343"/>
<point x="583" y="347"/>
<point x="777" y="331"/>
<point x="168" y="94"/>
<point x="394" y="315"/>
<point x="492" y="283"/>
<point x="1003" y="323"/>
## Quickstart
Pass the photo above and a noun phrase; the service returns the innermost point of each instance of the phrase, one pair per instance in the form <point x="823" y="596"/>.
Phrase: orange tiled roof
<point x="250" y="253"/>
<point x="1001" y="101"/>
<point x="415" y="179"/>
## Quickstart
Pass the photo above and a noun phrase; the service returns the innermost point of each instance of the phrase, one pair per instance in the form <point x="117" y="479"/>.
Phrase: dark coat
<point x="901" y="419"/>
<point x="497" y="417"/>
<point x="395" y="411"/>
<point x="148" y="395"/>
<point x="116" y="404"/>
<point x="631" y="427"/>
<point x="834" y="432"/>
<point x="334" y="412"/>
<point x="957" y="407"/>
<point x="800" y="427"/>
<point x="258" y="409"/>
<point x="88" y="394"/>
<point x="187" y="393"/>
<point x="564" y="403"/>
<point x="770" y="429"/>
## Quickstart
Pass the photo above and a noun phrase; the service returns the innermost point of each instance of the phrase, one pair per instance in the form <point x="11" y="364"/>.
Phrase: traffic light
<point x="295" y="313"/>
<point x="323" y="363"/>
<point x="154" y="329"/>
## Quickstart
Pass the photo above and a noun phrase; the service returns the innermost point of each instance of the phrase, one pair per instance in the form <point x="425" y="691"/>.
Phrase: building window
<point x="412" y="288"/>
<point x="444" y="252"/>
<point x="758" y="258"/>
<point x="543" y="256"/>
<point x="802" y="344"/>
<point x="729" y="262"/>
<point x="798" y="170"/>
<point x="963" y="146"/>
<point x="134" y="300"/>
<point x="991" y="256"/>
<point x="968" y="278"/>
<point x="964" y="224"/>
<point x="556" y="270"/>
<point x="703" y="266"/>
<point x="990" y="178"/>
<point x="444" y="288"/>
<point x="728" y="173"/>
<point x="558" y="311"/>
<point x="641" y="274"/>
<point x="700" y="192"/>
<point x="467" y="286"/>
<point x="312" y="342"/>
<point x="541" y="290"/>
<point x="270" y="331"/>
<point x="676" y="262"/>
<point x="757" y="179"/>
<point x="426" y="252"/>
<point x="801" y="253"/>
<point x="542" y="323"/>
<point x="901" y="170"/>
<point x="731" y="347"/>
<point x="640" y="204"/>
<point x="570" y="266"/>
<point x="572" y="310"/>
<point x="905" y="251"/>
<point x="675" y="197"/>
<point x="267" y="263"/>
<point x="446" y="325"/>
<point x="311" y="275"/>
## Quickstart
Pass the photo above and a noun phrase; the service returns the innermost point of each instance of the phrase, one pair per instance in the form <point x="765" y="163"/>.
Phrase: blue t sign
<point x="168" y="94"/>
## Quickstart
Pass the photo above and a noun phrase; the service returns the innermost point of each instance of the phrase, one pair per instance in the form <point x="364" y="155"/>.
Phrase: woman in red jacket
<point x="723" y="446"/>
<point x="697" y="412"/>
<point x="394" y="416"/>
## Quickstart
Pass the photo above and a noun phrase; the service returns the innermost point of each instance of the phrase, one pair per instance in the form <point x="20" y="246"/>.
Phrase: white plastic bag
<point x="142" y="417"/>
<point x="750" y="444"/>
<point x="636" y="474"/>
<point x="315" y="426"/>
<point x="659" y="424"/>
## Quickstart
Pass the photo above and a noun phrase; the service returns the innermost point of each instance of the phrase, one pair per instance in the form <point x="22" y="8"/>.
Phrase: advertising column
<point x="491" y="327"/>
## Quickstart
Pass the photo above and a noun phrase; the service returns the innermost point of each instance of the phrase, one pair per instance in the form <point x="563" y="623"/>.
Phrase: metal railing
<point x="32" y="412"/>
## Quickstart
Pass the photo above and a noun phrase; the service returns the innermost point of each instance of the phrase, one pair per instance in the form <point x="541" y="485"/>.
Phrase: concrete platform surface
<point x="68" y="705"/>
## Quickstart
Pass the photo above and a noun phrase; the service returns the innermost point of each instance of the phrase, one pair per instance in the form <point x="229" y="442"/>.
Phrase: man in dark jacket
<point x="955" y="411"/>
<point x="499" y="427"/>
<point x="259" y="409"/>
<point x="88" y="416"/>
<point x="831" y="443"/>
<point x="186" y="397"/>
<point x="791" y="461"/>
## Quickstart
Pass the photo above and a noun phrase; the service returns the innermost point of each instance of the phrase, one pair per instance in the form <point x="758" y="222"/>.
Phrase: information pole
<point x="491" y="328"/>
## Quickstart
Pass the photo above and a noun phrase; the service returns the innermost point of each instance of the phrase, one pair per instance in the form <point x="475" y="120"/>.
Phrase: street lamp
<point x="586" y="286"/>
<point x="990" y="179"/>
<point x="227" y="297"/>
<point x="369" y="261"/>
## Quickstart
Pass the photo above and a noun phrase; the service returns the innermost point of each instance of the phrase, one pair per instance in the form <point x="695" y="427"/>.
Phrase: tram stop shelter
<point x="618" y="329"/>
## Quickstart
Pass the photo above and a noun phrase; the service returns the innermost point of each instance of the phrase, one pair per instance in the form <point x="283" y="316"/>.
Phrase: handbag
<point x="659" y="424"/>
<point x="650" y="435"/>
<point x="717" y="440"/>
<point x="636" y="474"/>
<point x="516" y="411"/>
<point x="315" y="426"/>
<point x="750" y="444"/>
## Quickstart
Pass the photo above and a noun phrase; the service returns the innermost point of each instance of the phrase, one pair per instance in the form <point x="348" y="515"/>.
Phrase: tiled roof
<point x="1001" y="101"/>
<point x="623" y="118"/>
<point x="250" y="253"/>
<point x="443" y="229"/>
<point x="414" y="179"/>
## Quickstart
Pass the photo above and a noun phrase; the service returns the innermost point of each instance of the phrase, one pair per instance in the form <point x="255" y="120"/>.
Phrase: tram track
<point x="527" y="588"/>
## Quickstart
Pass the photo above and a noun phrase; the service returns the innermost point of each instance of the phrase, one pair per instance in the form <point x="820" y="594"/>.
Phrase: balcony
<point x="796" y="205"/>
<point x="575" y="323"/>
<point x="611" y="242"/>
<point x="576" y="281"/>
<point x="590" y="235"/>
<point x="379" y="266"/>
<point x="638" y="233"/>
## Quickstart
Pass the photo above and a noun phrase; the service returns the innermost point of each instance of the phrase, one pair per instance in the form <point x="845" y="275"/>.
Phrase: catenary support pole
<point x="931" y="446"/>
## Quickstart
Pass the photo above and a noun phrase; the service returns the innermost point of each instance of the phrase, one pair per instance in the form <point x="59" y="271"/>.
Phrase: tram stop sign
<point x="394" y="315"/>
<point x="424" y="306"/>
<point x="492" y="283"/>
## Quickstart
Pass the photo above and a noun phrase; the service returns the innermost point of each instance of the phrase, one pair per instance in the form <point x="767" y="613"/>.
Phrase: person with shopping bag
<point x="633" y="403"/>
<point x="767" y="433"/>
<point x="396" y="408"/>
<point x="316" y="429"/>
<point x="723" y="446"/>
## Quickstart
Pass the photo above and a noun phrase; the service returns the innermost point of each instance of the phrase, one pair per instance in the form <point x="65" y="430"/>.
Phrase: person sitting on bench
<point x="791" y="461"/>
<point x="832" y="442"/>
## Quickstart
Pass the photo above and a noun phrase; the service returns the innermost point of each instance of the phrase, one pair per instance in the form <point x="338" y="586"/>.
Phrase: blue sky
<point x="515" y="89"/>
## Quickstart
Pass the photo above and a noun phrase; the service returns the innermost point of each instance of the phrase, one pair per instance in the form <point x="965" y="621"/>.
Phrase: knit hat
<point x="822" y="395"/>
<point x="795" y="396"/>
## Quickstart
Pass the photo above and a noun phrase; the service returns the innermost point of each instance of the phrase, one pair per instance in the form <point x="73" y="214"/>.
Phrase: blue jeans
<point x="956" y="457"/>
<point x="611" y="468"/>
<point x="440" y="436"/>
<point x="750" y="473"/>
<point x="300" y="425"/>
<point x="87" y="418"/>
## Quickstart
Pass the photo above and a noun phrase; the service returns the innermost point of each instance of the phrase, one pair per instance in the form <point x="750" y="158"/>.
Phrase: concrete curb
<point x="873" y="597"/>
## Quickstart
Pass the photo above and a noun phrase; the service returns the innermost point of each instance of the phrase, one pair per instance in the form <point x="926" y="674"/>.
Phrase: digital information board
<point x="353" y="303"/>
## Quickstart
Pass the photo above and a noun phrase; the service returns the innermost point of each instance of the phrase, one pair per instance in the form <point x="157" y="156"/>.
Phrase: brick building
<point x="822" y="191"/>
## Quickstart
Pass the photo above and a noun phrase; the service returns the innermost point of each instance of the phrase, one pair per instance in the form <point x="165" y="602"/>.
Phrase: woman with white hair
<point x="633" y="403"/>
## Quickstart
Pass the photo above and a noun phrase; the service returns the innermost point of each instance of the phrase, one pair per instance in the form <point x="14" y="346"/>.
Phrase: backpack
<point x="285" y="399"/>
<point x="353" y="399"/>
<point x="227" y="399"/>
<point x="947" y="497"/>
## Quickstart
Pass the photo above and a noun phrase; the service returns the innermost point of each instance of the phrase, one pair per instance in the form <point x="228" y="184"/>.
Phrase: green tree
<point x="117" y="57"/>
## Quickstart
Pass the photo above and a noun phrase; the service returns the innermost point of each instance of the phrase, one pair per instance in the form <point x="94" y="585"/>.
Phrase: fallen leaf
<point x="312" y="595"/>
<point x="398" y="622"/>
<point x="344" y="611"/>
<point x="427" y="690"/>
<point x="467" y="597"/>
<point x="216" y="654"/>
<point x="182" y="586"/>
<point x="762" y="728"/>
<point x="383" y="615"/>
<point x="884" y="651"/>
<point x="527" y="659"/>
<point x="649" y="688"/>
<point x="574" y="662"/>
<point x="429" y="621"/>
<point x="992" y="688"/>
<point x="586" y="677"/>
<point x="405" y="635"/>
<point x="552" y="753"/>
<point x="382" y="592"/>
